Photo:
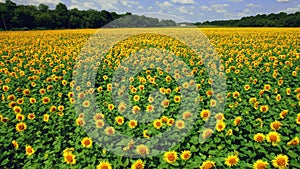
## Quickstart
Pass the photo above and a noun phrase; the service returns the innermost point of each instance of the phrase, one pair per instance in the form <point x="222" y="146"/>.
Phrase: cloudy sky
<point x="181" y="10"/>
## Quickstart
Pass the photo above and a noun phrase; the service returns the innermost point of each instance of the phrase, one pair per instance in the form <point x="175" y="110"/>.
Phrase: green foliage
<point x="27" y="17"/>
<point x="281" y="19"/>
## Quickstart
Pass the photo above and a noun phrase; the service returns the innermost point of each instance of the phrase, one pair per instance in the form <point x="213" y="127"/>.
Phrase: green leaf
<point x="4" y="162"/>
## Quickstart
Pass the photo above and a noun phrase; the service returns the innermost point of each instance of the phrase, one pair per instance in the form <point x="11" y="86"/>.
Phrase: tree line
<point x="281" y="19"/>
<point x="25" y="17"/>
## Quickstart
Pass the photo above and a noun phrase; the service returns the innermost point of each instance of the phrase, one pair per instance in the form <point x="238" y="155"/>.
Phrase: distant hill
<point x="281" y="19"/>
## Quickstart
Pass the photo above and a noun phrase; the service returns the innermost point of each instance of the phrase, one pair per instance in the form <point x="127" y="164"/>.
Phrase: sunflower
<point x="20" y="100"/>
<point x="219" y="116"/>
<point x="186" y="115"/>
<point x="61" y="108"/>
<point x="132" y="124"/>
<point x="288" y="91"/>
<point x="104" y="165"/>
<point x="135" y="109"/>
<point x="86" y="103"/>
<point x="252" y="100"/>
<point x="17" y="109"/>
<point x="237" y="120"/>
<point x="20" y="117"/>
<point x="157" y="123"/>
<point x="32" y="100"/>
<point x="46" y="117"/>
<point x="145" y="134"/>
<point x="180" y="124"/>
<point x="139" y="164"/>
<point x="177" y="99"/>
<point x="247" y="87"/>
<point x="267" y="87"/>
<point x="141" y="87"/>
<point x="275" y="125"/>
<point x="229" y="132"/>
<point x="207" y="165"/>
<point x="205" y="114"/>
<point x="207" y="133"/>
<point x="170" y="156"/>
<point x="31" y="116"/>
<point x="29" y="150"/>
<point x="278" y="97"/>
<point x="298" y="118"/>
<point x="231" y="160"/>
<point x="162" y="90"/>
<point x="264" y="108"/>
<point x="15" y="144"/>
<point x="69" y="158"/>
<point x="136" y="98"/>
<point x="119" y="120"/>
<point x="46" y="100"/>
<point x="170" y="121"/>
<point x="99" y="123"/>
<point x="11" y="97"/>
<point x="98" y="116"/>
<point x="273" y="137"/>
<point x="60" y="113"/>
<point x="21" y="126"/>
<point x="86" y="142"/>
<point x="295" y="141"/>
<point x="209" y="93"/>
<point x="109" y="131"/>
<point x="236" y="94"/>
<point x="150" y="99"/>
<point x="256" y="104"/>
<point x="5" y="88"/>
<point x="165" y="103"/>
<point x="110" y="106"/>
<point x="220" y="126"/>
<point x="142" y="150"/>
<point x="52" y="109"/>
<point x="259" y="137"/>
<point x="260" y="164"/>
<point x="283" y="113"/>
<point x="26" y="92"/>
<point x="185" y="155"/>
<point x="122" y="107"/>
<point x="280" y="161"/>
<point x="213" y="103"/>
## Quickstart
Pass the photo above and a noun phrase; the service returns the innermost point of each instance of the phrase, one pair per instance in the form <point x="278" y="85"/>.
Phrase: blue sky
<point x="181" y="10"/>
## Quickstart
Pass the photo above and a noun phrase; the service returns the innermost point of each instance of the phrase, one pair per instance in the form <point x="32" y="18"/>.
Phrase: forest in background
<point x="25" y="17"/>
<point x="28" y="17"/>
<point x="281" y="19"/>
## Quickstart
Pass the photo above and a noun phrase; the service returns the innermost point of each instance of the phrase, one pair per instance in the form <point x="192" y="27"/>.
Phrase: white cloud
<point x="185" y="10"/>
<point x="95" y="4"/>
<point x="185" y="2"/>
<point x="245" y="12"/>
<point x="165" y="4"/>
<point x="140" y="7"/>
<point x="128" y="3"/>
<point x="37" y="2"/>
<point x="252" y="5"/>
<point x="150" y="8"/>
<point x="205" y="8"/>
<point x="284" y="0"/>
<point x="236" y="0"/>
<point x="293" y="10"/>
<point x="220" y="8"/>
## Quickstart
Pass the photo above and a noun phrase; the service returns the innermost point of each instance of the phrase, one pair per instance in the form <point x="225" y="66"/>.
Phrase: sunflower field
<point x="66" y="103"/>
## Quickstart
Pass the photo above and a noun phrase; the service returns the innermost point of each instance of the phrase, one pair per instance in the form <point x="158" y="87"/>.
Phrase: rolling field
<point x="68" y="103"/>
